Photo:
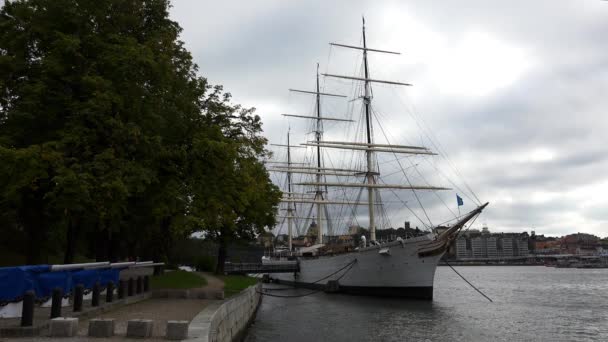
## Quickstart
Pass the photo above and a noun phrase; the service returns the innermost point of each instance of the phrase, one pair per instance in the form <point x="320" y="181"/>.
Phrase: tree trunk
<point x="221" y="252"/>
<point x="31" y="217"/>
<point x="166" y="239"/>
<point x="101" y="242"/>
<point x="132" y="247"/>
<point x="70" y="248"/>
<point x="113" y="245"/>
<point x="35" y="244"/>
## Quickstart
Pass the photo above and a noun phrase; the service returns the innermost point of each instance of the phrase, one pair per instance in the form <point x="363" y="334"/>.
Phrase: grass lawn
<point x="177" y="280"/>
<point x="234" y="284"/>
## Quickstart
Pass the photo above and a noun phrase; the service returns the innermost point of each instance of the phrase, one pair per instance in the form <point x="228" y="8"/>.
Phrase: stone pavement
<point x="160" y="310"/>
<point x="42" y="315"/>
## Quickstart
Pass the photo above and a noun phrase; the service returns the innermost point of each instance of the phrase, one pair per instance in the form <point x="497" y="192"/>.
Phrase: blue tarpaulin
<point x="109" y="275"/>
<point x="15" y="281"/>
<point x="88" y="278"/>
<point x="50" y="280"/>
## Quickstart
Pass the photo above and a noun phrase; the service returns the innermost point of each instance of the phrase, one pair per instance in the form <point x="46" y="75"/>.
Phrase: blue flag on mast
<point x="459" y="200"/>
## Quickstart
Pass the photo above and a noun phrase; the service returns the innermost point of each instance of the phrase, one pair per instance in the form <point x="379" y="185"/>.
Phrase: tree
<point x="107" y="134"/>
<point x="81" y="80"/>
<point x="235" y="199"/>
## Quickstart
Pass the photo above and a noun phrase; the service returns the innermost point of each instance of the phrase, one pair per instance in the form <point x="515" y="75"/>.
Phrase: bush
<point x="206" y="263"/>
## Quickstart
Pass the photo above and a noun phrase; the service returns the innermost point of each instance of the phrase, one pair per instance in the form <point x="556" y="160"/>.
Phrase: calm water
<point x="533" y="303"/>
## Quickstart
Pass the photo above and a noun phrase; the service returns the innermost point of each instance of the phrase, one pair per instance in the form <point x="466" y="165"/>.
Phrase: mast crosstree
<point x="388" y="268"/>
<point x="370" y="148"/>
<point x="320" y="170"/>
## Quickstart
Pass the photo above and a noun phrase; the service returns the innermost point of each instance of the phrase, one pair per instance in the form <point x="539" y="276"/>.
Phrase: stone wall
<point x="227" y="320"/>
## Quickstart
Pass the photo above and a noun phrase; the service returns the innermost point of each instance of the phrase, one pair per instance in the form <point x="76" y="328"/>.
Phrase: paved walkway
<point x="213" y="282"/>
<point x="158" y="309"/>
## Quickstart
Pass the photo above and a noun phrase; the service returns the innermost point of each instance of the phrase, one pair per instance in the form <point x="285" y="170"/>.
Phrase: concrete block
<point x="139" y="328"/>
<point x="64" y="326"/>
<point x="177" y="330"/>
<point x="101" y="327"/>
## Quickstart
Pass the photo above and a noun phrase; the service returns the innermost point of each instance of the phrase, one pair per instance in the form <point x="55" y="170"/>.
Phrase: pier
<point x="268" y="267"/>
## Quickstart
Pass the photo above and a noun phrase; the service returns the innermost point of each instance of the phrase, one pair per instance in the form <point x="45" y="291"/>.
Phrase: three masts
<point x="401" y="267"/>
<point x="371" y="172"/>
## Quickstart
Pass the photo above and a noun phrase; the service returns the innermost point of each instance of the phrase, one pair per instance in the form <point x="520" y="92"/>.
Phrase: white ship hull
<point x="401" y="268"/>
<point x="404" y="270"/>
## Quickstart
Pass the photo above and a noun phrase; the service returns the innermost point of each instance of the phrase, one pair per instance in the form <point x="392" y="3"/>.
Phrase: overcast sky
<point x="516" y="92"/>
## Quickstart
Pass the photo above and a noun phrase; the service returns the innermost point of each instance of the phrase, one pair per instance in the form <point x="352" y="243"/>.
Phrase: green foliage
<point x="10" y="258"/>
<point x="177" y="280"/>
<point x="110" y="144"/>
<point x="206" y="263"/>
<point x="234" y="284"/>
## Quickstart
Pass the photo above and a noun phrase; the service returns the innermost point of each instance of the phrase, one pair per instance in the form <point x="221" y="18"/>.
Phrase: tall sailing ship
<point x="403" y="267"/>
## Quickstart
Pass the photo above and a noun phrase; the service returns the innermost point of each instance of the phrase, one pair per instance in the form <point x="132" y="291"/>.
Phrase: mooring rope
<point x="347" y="267"/>
<point x="468" y="282"/>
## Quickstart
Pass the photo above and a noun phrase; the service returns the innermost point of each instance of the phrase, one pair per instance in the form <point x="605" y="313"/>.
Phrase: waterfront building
<point x="486" y="245"/>
<point x="507" y="247"/>
<point x="580" y="243"/>
<point x="354" y="229"/>
<point x="266" y="239"/>
<point x="523" y="247"/>
<point x="492" y="247"/>
<point x="547" y="247"/>
<point x="471" y="232"/>
<point x="345" y="239"/>
<point x="479" y="247"/>
<point x="461" y="248"/>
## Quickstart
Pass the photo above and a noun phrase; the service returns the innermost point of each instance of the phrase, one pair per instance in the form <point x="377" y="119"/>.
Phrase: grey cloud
<point x="259" y="49"/>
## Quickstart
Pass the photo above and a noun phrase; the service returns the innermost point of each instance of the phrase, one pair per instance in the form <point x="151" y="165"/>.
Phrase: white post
<point x="370" y="194"/>
<point x="289" y="224"/>
<point x="319" y="195"/>
<point x="319" y="226"/>
<point x="290" y="204"/>
<point x="370" y="156"/>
